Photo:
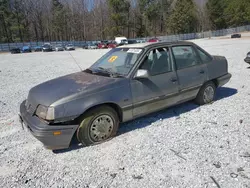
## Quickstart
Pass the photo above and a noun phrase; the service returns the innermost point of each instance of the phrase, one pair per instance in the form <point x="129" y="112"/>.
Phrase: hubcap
<point x="101" y="128"/>
<point x="208" y="94"/>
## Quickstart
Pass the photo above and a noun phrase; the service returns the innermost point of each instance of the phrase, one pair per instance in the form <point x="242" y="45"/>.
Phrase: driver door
<point x="160" y="89"/>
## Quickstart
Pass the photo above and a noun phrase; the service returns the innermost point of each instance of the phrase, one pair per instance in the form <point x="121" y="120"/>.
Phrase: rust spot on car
<point x="83" y="78"/>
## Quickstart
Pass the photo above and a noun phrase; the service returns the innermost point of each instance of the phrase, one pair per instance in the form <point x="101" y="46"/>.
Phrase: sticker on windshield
<point x="112" y="59"/>
<point x="135" y="51"/>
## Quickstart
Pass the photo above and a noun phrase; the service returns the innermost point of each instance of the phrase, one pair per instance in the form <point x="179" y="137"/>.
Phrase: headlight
<point x="44" y="112"/>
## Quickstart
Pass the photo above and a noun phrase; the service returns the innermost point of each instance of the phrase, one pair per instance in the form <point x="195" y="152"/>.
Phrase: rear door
<point x="191" y="72"/>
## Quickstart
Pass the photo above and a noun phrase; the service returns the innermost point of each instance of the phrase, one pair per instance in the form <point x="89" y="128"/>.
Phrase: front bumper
<point x="47" y="134"/>
<point x="224" y="79"/>
<point x="247" y="60"/>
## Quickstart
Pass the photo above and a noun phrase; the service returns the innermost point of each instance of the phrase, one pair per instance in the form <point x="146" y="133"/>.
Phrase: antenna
<point x="75" y="61"/>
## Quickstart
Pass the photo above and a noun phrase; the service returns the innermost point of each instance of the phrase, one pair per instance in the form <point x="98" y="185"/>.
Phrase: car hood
<point x="59" y="88"/>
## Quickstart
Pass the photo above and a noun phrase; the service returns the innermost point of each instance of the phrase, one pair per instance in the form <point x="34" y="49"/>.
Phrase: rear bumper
<point x="45" y="133"/>
<point x="224" y="79"/>
<point x="247" y="60"/>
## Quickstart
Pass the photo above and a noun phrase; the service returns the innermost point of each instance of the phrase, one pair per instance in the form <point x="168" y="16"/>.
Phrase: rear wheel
<point x="206" y="94"/>
<point x="98" y="125"/>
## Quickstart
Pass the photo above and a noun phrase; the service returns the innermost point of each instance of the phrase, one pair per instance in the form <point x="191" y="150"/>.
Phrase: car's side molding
<point x="164" y="97"/>
<point x="155" y="99"/>
<point x="190" y="88"/>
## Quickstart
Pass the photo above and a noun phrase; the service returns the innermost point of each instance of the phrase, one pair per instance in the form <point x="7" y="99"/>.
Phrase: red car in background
<point x="154" y="40"/>
<point x="112" y="44"/>
<point x="103" y="44"/>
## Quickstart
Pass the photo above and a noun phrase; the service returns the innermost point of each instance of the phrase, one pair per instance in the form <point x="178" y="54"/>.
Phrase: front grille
<point x="29" y="107"/>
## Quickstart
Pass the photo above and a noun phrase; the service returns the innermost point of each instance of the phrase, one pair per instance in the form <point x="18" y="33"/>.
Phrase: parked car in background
<point x="247" y="59"/>
<point x="15" y="50"/>
<point x="141" y="41"/>
<point x="154" y="40"/>
<point x="123" y="42"/>
<point x="120" y="40"/>
<point x="103" y="44"/>
<point x="85" y="46"/>
<point x="38" y="49"/>
<point x="92" y="46"/>
<point x="132" y="41"/>
<point x="47" y="48"/>
<point x="59" y="47"/>
<point x="236" y="35"/>
<point x="128" y="82"/>
<point x="26" y="49"/>
<point x="69" y="47"/>
<point x="112" y="44"/>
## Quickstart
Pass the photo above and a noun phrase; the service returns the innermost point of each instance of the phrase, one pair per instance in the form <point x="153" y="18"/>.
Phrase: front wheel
<point x="206" y="94"/>
<point x="98" y="125"/>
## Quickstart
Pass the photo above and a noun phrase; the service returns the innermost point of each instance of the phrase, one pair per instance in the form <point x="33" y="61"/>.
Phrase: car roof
<point x="155" y="44"/>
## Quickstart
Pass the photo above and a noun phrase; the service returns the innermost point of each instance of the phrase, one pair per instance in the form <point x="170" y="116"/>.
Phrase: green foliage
<point x="183" y="18"/>
<point x="58" y="22"/>
<point x="228" y="13"/>
<point x="25" y="20"/>
<point x="11" y="21"/>
<point x="237" y="13"/>
<point x="215" y="10"/>
<point x="119" y="13"/>
<point x="5" y="21"/>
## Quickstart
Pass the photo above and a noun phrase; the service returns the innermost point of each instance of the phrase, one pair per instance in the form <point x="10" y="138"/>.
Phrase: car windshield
<point x="117" y="61"/>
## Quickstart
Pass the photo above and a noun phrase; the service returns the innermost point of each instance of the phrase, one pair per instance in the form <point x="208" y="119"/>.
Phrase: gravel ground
<point x="185" y="146"/>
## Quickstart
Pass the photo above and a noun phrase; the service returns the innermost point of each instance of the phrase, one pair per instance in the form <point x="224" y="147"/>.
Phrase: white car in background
<point x="69" y="47"/>
<point x="120" y="40"/>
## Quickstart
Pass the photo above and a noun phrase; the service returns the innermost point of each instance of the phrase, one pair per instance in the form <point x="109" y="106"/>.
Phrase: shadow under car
<point x="175" y="111"/>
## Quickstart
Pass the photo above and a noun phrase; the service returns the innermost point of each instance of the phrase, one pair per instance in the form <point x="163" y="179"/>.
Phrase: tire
<point x="97" y="126"/>
<point x="206" y="94"/>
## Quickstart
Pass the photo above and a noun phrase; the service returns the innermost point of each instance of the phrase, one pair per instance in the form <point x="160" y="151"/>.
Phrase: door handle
<point x="173" y="80"/>
<point x="202" y="72"/>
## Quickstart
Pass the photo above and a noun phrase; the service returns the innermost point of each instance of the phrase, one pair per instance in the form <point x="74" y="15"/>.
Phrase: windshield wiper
<point x="110" y="72"/>
<point x="88" y="71"/>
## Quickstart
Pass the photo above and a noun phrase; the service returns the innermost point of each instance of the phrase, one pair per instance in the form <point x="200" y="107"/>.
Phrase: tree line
<point x="58" y="20"/>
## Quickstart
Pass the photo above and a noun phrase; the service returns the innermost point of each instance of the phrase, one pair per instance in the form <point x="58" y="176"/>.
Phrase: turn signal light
<point x="57" y="133"/>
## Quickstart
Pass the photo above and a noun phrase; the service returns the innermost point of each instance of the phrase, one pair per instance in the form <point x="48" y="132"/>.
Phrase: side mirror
<point x="141" y="73"/>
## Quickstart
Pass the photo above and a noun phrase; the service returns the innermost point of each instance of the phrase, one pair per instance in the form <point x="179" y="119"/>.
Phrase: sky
<point x="90" y="4"/>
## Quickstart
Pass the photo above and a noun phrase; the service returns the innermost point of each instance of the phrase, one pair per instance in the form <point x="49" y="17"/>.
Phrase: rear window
<point x="204" y="57"/>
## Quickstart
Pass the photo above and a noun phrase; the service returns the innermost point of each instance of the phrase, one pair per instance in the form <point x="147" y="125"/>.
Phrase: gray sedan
<point x="126" y="83"/>
<point x="59" y="48"/>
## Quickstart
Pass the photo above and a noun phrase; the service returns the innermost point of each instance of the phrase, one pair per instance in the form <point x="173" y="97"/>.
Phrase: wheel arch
<point x="113" y="105"/>
<point x="216" y="82"/>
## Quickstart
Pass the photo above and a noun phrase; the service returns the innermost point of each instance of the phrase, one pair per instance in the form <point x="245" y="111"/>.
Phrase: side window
<point x="157" y="62"/>
<point x="204" y="57"/>
<point x="185" y="57"/>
